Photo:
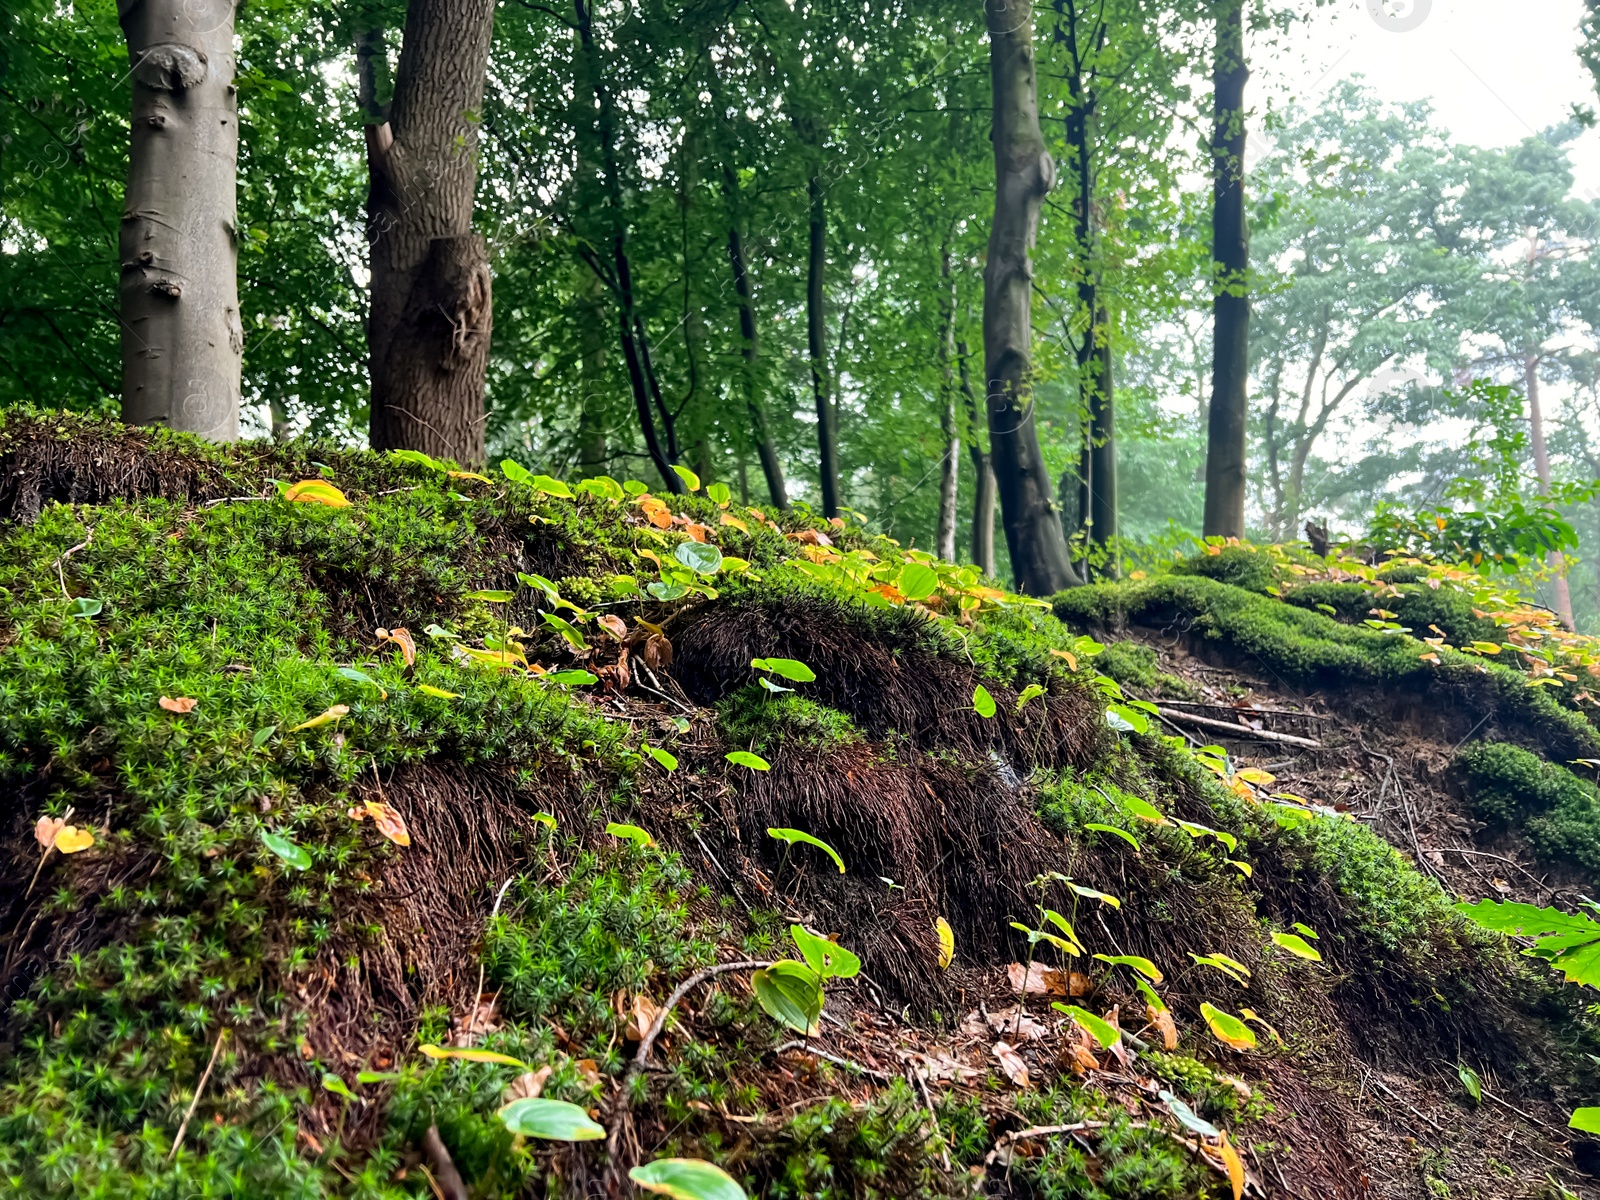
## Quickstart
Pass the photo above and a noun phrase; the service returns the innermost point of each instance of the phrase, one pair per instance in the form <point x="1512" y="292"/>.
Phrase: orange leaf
<point x="403" y="639"/>
<point x="178" y="704"/>
<point x="1231" y="1160"/>
<point x="1161" y="1018"/>
<point x="389" y="822"/>
<point x="46" y="830"/>
<point x="660" y="517"/>
<point x="696" y="531"/>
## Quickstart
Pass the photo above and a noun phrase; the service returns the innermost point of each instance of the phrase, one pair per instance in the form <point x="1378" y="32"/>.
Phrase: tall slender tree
<point x="431" y="316"/>
<point x="1024" y="174"/>
<point x="182" y="339"/>
<point x="1230" y="252"/>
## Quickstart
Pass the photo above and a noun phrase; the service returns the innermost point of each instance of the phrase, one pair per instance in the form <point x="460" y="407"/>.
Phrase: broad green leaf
<point x="794" y="836"/>
<point x="701" y="557"/>
<point x="1229" y="1029"/>
<point x="687" y="1178"/>
<point x="1112" y="829"/>
<point x="743" y="758"/>
<point x="1232" y="968"/>
<point x="85" y="606"/>
<point x="631" y="833"/>
<point x="1188" y="1118"/>
<point x="571" y="678"/>
<point x="337" y="1086"/>
<point x="550" y="486"/>
<point x="1064" y="925"/>
<point x="1568" y="942"/>
<point x="1142" y="809"/>
<point x="634" y="488"/>
<point x="544" y="585"/>
<point x="828" y="959"/>
<point x="668" y="761"/>
<point x="436" y="631"/>
<point x="361" y="677"/>
<point x="666" y="591"/>
<point x="1297" y="945"/>
<point x="690" y="479"/>
<point x="1152" y="997"/>
<point x="983" y="702"/>
<point x="790" y="993"/>
<point x="515" y="471"/>
<point x="377" y="1076"/>
<point x="566" y="629"/>
<point x="1100" y="1029"/>
<point x="296" y="856"/>
<point x="262" y="736"/>
<point x="719" y="493"/>
<point x="491" y="595"/>
<point x="1032" y="692"/>
<point x="427" y="689"/>
<point x="917" y="581"/>
<point x="1127" y="720"/>
<point x="472" y="1055"/>
<point x="1585" y="1120"/>
<point x="546" y="819"/>
<point x="1142" y="965"/>
<point x="789" y="668"/>
<point x="1470" y="1081"/>
<point x="603" y="486"/>
<point x="1089" y="893"/>
<point x="554" y="1120"/>
<point x="1305" y="930"/>
<point x="417" y="458"/>
<point x="947" y="942"/>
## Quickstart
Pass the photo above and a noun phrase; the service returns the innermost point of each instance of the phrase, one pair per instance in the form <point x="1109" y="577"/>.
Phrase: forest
<point x="837" y="599"/>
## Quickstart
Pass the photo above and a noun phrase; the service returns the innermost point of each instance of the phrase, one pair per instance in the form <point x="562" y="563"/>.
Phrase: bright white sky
<point x="1496" y="71"/>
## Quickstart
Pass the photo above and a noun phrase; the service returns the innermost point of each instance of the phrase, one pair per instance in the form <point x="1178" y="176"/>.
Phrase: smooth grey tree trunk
<point x="1024" y="173"/>
<point x="596" y="380"/>
<point x="1230" y="252"/>
<point x="1555" y="560"/>
<point x="431" y="316"/>
<point x="182" y="339"/>
<point x="950" y="464"/>
<point x="817" y="344"/>
<point x="983" y="491"/>
<point x="1103" y="446"/>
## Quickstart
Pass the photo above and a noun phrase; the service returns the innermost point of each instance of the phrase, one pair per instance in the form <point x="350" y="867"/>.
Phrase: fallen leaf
<point x="614" y="625"/>
<point x="1161" y="1018"/>
<point x="735" y="523"/>
<point x="657" y="651"/>
<point x="71" y="839"/>
<point x="403" y="639"/>
<point x="1025" y="1030"/>
<point x="1011" y="1063"/>
<point x="527" y="1086"/>
<point x="315" y="491"/>
<point x="1036" y="972"/>
<point x="941" y="1066"/>
<point x="332" y="714"/>
<point x="1079" y="1057"/>
<point x="45" y="831"/>
<point x="1235" y="1166"/>
<point x="389" y="822"/>
<point x="643" y="1015"/>
<point x="589" y="1070"/>
<point x="811" y="537"/>
<point x="178" y="704"/>
<point x="697" y="531"/>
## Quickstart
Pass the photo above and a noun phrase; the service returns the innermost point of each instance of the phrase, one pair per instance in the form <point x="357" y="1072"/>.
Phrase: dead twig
<point x="472" y="1021"/>
<point x="927" y="1102"/>
<point x="450" y="1183"/>
<point x="1238" y="731"/>
<point x="807" y="1048"/>
<point x="199" y="1089"/>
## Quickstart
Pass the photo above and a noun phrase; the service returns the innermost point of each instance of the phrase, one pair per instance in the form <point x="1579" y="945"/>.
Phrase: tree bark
<point x="983" y="490"/>
<point x="1230" y="307"/>
<point x="817" y="337"/>
<point x="950" y="464"/>
<point x="182" y="339"/>
<point x="1103" y="445"/>
<point x="1556" y="561"/>
<point x="771" y="465"/>
<point x="595" y="381"/>
<point x="1024" y="173"/>
<point x="431" y="315"/>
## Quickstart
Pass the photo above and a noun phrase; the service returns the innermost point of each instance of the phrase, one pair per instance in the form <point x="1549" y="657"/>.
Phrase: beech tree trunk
<point x="771" y="465"/>
<point x="817" y="337"/>
<point x="950" y="464"/>
<point x="431" y="316"/>
<point x="1024" y="173"/>
<point x="983" y="490"/>
<point x="1556" y="561"/>
<point x="592" y="459"/>
<point x="182" y="339"/>
<point x="1230" y="307"/>
<point x="1103" y="445"/>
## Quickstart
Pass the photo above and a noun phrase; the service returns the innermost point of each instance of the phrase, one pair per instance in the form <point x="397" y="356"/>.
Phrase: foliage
<point x="1556" y="810"/>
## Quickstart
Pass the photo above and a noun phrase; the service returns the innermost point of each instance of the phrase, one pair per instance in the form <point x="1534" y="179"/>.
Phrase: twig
<point x="472" y="1021"/>
<point x="60" y="572"/>
<point x="200" y="1087"/>
<point x="658" y="691"/>
<point x="1525" y="1116"/>
<point x="1388" y="1091"/>
<point x="922" y="1086"/>
<point x="1239" y="731"/>
<point x="807" y="1048"/>
<point x="1498" y="858"/>
<point x="231" y="499"/>
<point x="449" y="1179"/>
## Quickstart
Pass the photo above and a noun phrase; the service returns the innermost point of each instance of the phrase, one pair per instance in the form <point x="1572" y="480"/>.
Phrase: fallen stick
<point x="200" y="1087"/>
<point x="807" y="1048"/>
<point x="444" y="1167"/>
<point x="1240" y="731"/>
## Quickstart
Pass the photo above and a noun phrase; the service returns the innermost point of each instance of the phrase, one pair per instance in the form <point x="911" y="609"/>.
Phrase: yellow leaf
<point x="735" y="523"/>
<point x="1161" y="1018"/>
<point x="947" y="943"/>
<point x="71" y="839"/>
<point x="469" y="475"/>
<point x="1230" y="1159"/>
<point x="332" y="714"/>
<point x="427" y="689"/>
<point x="1070" y="658"/>
<point x="389" y="822"/>
<point x="316" y="491"/>
<point x="483" y="1056"/>
<point x="1255" y="775"/>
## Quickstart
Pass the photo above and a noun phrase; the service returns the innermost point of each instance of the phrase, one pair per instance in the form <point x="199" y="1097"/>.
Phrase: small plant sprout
<point x="792" y="837"/>
<point x="785" y="668"/>
<point x="982" y="702"/>
<point x="631" y="833"/>
<point x="688" y="1178"/>
<point x="1032" y="692"/>
<point x="790" y="992"/>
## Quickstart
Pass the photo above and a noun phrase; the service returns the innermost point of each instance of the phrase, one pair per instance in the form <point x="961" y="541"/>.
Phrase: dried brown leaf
<point x="178" y="704"/>
<point x="1011" y="1063"/>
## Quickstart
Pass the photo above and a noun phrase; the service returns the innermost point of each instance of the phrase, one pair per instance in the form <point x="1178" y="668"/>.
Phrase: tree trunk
<point x="182" y="339"/>
<point x="1103" y="446"/>
<point x="771" y="465"/>
<point x="817" y="336"/>
<point x="595" y="381"/>
<point x="1556" y="561"/>
<point x="1024" y="173"/>
<point x="431" y="316"/>
<point x="1230" y="307"/>
<point x="983" y="490"/>
<point x="950" y="464"/>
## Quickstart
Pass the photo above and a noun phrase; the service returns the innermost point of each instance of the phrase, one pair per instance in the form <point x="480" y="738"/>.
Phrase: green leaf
<point x="417" y="458"/>
<point x="788" y="668"/>
<point x="917" y="581"/>
<point x="545" y="819"/>
<point x="1305" y="930"/>
<point x="1032" y="692"/>
<point x="1297" y="945"/>
<point x="1188" y="1118"/>
<point x="1142" y="965"/>
<point x="1127" y="720"/>
<point x="982" y="702"/>
<point x="1470" y="1081"/>
<point x="690" y="479"/>
<point x="515" y="471"/>
<point x="1151" y="995"/>
<point x="554" y="1120"/>
<point x="435" y="631"/>
<point x="743" y="758"/>
<point x="472" y="1055"/>
<point x="603" y="486"/>
<point x="438" y="693"/>
<point x="551" y="487"/>
<point x="634" y="488"/>
<point x="1100" y="1029"/>
<point x="719" y="493"/>
<point x="1568" y="942"/>
<point x="571" y="678"/>
<point x="828" y="959"/>
<point x="355" y="676"/>
<point x="493" y="597"/>
<point x="1585" y="1120"/>
<point x="1232" y="968"/>
<point x="1142" y="809"/>
<point x="774" y="688"/>
<point x="337" y="1086"/>
<point x="701" y="557"/>
<point x="1089" y="893"/>
<point x="631" y="833"/>
<point x="800" y="836"/>
<point x="262" y="736"/>
<point x="1112" y="829"/>
<point x="667" y="761"/>
<point x="85" y="606"/>
<point x="1228" y="1029"/>
<point x="296" y="856"/>
<point x="550" y="590"/>
<point x="687" y="1178"/>
<point x="376" y="1076"/>
<point x="790" y="993"/>
<point x="567" y="630"/>
<point x="666" y="591"/>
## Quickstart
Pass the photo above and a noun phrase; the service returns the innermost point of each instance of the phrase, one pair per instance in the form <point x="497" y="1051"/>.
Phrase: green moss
<point x="753" y="718"/>
<point x="1558" y="812"/>
<point x="1254" y="570"/>
<point x="1418" y="607"/>
<point x="1130" y="664"/>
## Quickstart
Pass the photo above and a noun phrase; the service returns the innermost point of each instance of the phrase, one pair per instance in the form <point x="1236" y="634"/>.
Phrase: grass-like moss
<point x="1556" y="810"/>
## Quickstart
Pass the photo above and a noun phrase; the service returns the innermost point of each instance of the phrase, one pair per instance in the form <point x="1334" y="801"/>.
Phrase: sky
<point x="1496" y="71"/>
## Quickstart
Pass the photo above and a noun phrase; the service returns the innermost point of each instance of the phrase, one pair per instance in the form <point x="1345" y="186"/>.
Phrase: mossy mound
<point x="447" y="767"/>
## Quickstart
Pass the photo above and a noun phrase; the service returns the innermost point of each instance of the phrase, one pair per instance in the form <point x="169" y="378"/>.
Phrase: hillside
<point x="385" y="796"/>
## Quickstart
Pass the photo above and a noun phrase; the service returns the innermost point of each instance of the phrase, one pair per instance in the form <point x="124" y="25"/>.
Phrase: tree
<point x="1230" y="252"/>
<point x="1024" y="173"/>
<point x="431" y="315"/>
<point x="182" y="337"/>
